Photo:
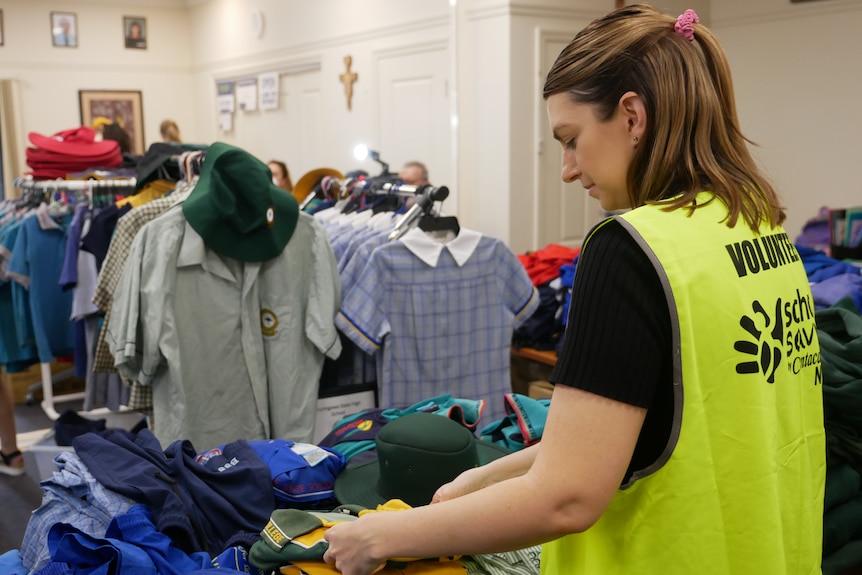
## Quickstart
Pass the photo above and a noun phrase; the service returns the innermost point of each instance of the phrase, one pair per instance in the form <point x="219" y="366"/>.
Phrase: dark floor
<point x="19" y="496"/>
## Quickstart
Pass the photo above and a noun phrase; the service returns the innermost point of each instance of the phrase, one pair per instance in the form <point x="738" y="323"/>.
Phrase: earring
<point x="635" y="138"/>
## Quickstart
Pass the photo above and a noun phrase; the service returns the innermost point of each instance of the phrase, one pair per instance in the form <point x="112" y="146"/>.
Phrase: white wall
<point x="794" y="67"/>
<point x="49" y="77"/>
<point x="797" y="85"/>
<point x="319" y="35"/>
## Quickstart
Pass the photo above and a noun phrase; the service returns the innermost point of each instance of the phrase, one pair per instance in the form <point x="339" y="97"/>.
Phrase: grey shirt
<point x="233" y="350"/>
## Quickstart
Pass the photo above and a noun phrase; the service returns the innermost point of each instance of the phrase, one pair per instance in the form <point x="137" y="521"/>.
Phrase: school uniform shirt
<point x="72" y="496"/>
<point x="204" y="506"/>
<point x="140" y="397"/>
<point x="86" y="276"/>
<point x="231" y="349"/>
<point x="15" y="354"/>
<point x="130" y="544"/>
<point x="69" y="274"/>
<point x="440" y="316"/>
<point x="36" y="262"/>
<point x="293" y="542"/>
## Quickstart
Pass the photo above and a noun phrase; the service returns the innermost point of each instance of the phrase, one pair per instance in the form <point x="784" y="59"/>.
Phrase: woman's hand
<point x="467" y="482"/>
<point x="348" y="550"/>
<point x="513" y="465"/>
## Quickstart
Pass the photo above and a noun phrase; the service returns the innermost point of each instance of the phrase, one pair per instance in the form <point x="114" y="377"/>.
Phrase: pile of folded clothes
<point x="70" y="151"/>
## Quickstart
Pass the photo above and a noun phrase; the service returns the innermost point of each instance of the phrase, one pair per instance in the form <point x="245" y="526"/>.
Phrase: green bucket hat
<point x="416" y="455"/>
<point x="237" y="210"/>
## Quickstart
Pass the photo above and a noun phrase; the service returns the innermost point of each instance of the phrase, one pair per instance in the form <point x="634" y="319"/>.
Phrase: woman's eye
<point x="570" y="145"/>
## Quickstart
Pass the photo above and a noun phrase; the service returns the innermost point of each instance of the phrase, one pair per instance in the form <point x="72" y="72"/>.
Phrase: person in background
<point x="685" y="432"/>
<point x="11" y="460"/>
<point x="280" y="175"/>
<point x="170" y="132"/>
<point x="414" y="174"/>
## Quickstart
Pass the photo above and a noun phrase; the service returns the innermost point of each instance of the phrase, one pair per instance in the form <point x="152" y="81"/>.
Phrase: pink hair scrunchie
<point x="684" y="22"/>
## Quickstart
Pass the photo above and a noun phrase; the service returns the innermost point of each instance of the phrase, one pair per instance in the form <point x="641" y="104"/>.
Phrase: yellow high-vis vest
<point x="739" y="487"/>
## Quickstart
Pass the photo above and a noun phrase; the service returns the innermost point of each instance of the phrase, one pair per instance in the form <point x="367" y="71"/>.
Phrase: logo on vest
<point x="787" y="334"/>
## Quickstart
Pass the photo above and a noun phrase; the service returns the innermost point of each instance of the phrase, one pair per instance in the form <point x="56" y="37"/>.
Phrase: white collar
<point x="428" y="250"/>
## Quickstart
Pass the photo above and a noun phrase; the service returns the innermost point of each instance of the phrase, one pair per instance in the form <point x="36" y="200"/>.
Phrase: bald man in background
<point x="414" y="174"/>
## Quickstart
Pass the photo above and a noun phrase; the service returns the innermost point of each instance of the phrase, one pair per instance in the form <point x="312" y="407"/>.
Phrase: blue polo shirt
<point x="37" y="260"/>
<point x="21" y="331"/>
<point x="13" y="355"/>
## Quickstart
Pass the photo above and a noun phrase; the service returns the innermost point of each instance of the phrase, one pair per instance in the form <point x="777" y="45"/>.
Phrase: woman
<point x="170" y="132"/>
<point x="280" y="176"/>
<point x="685" y="433"/>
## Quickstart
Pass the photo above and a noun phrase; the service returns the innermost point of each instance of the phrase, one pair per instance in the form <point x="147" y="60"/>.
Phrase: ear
<point x="633" y="111"/>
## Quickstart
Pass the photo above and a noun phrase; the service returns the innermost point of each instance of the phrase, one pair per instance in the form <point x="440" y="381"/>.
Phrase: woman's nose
<point x="570" y="173"/>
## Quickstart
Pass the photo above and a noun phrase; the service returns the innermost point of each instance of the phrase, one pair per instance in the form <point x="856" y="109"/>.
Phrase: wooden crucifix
<point x="348" y="78"/>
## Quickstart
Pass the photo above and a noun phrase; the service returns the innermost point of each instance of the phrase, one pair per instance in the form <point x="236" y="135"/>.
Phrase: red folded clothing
<point x="75" y="142"/>
<point x="544" y="265"/>
<point x="71" y="151"/>
<point x="39" y="154"/>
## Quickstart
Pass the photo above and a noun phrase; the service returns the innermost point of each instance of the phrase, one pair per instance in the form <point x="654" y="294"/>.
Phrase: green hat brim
<point x="359" y="484"/>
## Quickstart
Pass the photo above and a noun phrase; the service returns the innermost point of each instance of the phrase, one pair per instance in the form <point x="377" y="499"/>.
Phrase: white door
<point x="292" y="133"/>
<point x="413" y="112"/>
<point x="565" y="212"/>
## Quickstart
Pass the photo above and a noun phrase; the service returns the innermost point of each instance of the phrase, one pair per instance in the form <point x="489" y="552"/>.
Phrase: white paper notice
<point x="268" y="85"/>
<point x="246" y="95"/>
<point x="225" y="121"/>
<point x="226" y="97"/>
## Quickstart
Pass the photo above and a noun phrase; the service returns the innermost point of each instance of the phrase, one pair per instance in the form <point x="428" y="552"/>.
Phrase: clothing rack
<point x="49" y="400"/>
<point x="73" y="185"/>
<point x="352" y="187"/>
<point x="425" y="198"/>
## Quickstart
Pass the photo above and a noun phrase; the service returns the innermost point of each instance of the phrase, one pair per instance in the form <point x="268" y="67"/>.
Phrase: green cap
<point x="416" y="455"/>
<point x="236" y="208"/>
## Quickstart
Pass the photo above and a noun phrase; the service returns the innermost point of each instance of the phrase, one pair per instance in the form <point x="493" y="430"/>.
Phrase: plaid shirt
<point x="141" y="397"/>
<point x="74" y="496"/>
<point x="439" y="323"/>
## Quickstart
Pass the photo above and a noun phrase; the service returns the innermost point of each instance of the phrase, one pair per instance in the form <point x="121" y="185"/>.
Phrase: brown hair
<point x="693" y="141"/>
<point x="170" y="131"/>
<point x="287" y="181"/>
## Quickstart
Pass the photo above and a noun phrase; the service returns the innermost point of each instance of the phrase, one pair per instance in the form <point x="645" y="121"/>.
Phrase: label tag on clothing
<point x="312" y="454"/>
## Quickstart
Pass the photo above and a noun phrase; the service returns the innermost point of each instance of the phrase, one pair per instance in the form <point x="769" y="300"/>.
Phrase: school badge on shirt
<point x="268" y="323"/>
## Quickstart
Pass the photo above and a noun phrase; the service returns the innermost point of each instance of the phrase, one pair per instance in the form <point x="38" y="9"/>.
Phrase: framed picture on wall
<point x="123" y="108"/>
<point x="64" y="29"/>
<point x="135" y="32"/>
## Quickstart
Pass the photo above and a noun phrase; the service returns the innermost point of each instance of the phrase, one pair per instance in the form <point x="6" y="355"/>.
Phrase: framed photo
<point x="135" y="32"/>
<point x="124" y="108"/>
<point x="64" y="29"/>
